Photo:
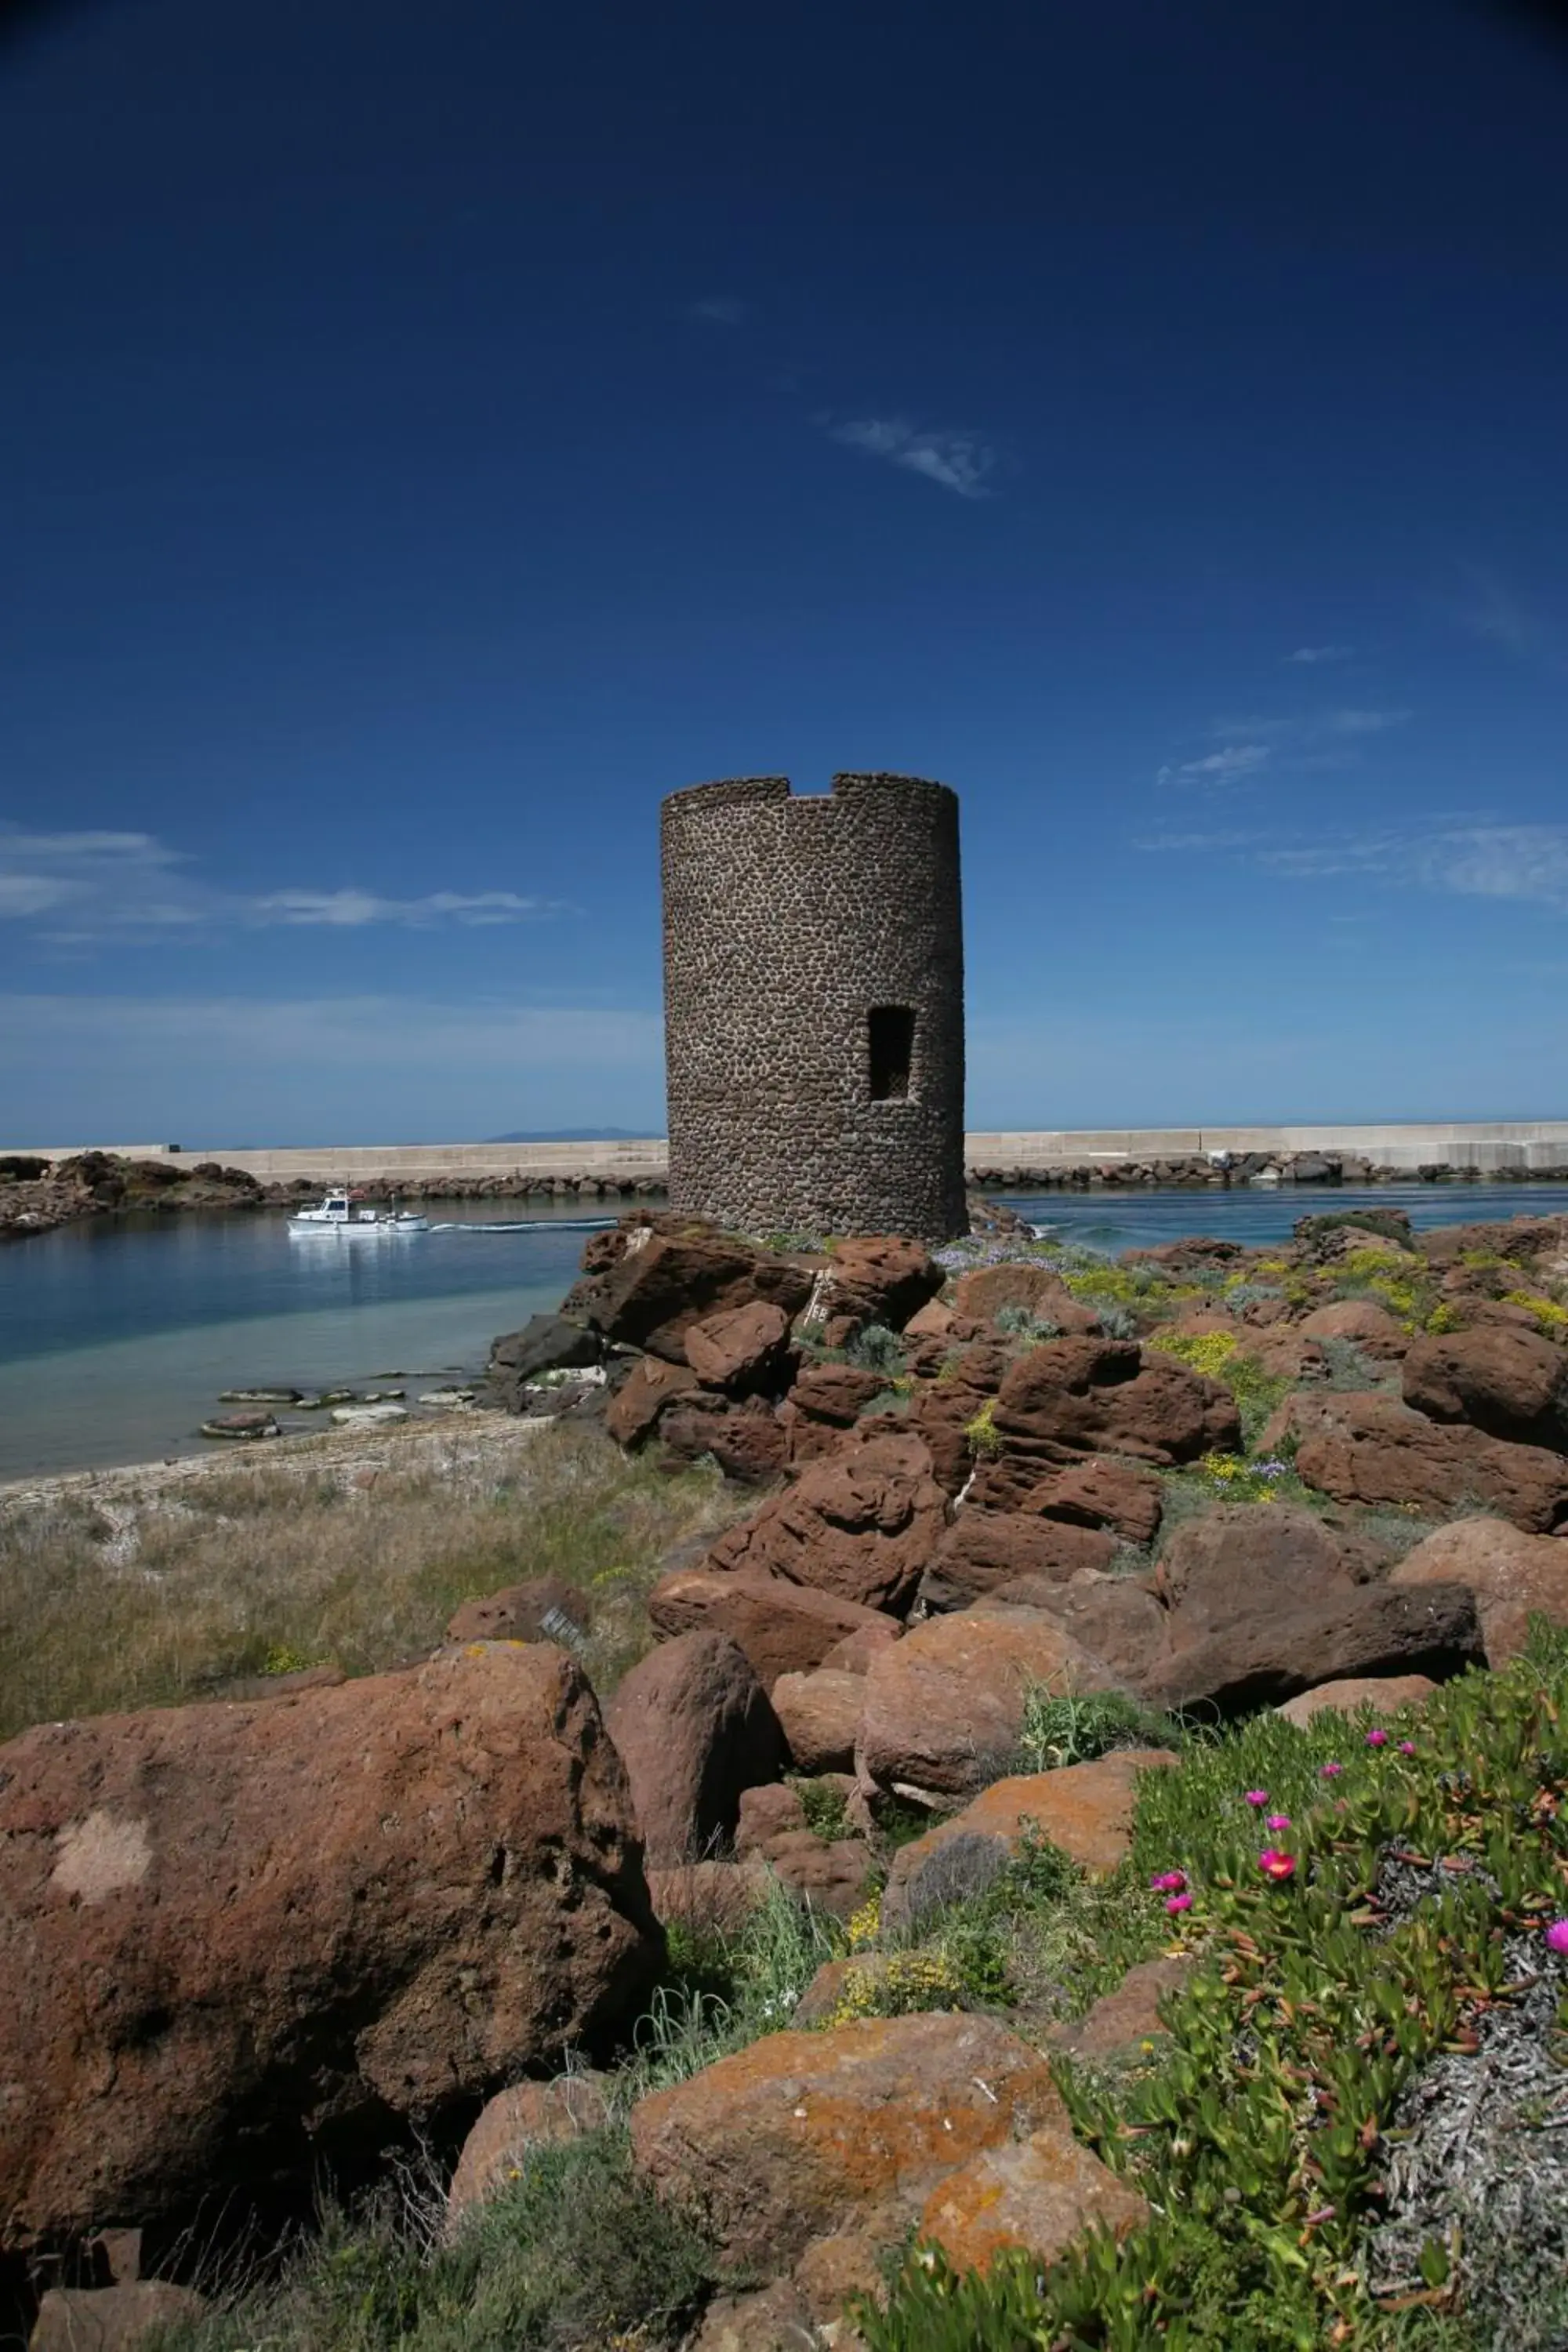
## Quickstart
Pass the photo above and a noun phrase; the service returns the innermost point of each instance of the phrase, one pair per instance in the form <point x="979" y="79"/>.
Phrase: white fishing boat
<point x="338" y="1214"/>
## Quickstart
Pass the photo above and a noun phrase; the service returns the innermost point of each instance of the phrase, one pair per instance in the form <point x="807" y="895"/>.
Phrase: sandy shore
<point x="459" y="1440"/>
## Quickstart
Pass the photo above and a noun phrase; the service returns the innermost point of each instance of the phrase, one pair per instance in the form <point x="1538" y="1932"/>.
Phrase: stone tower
<point x="814" y="1005"/>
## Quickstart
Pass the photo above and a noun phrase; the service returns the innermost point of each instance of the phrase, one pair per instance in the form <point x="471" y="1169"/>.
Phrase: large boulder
<point x="983" y="1549"/>
<point x="743" y="1434"/>
<point x="1089" y="1395"/>
<point x="661" y="1284"/>
<point x="527" y="2116"/>
<point x="693" y="1727"/>
<point x="1085" y="1810"/>
<point x="1359" y="1628"/>
<point x="741" y="1350"/>
<point x="1247" y="1560"/>
<point x="1513" y="1576"/>
<point x="943" y="1409"/>
<point x="824" y="1403"/>
<point x="541" y="1609"/>
<point x="1097" y="1494"/>
<point x="1509" y="1381"/>
<point x="546" y="1343"/>
<point x="1033" y="1289"/>
<point x="642" y="1398"/>
<point x="124" y="2317"/>
<point x="780" y="2143"/>
<point x="820" y="1713"/>
<point x="862" y="1526"/>
<point x="944" y="1706"/>
<point x="1116" y="1618"/>
<point x="236" y="1939"/>
<point x="1384" y="1693"/>
<point x="1041" y="2194"/>
<point x="1366" y="1448"/>
<point x="879" y="1279"/>
<point x="783" y="1628"/>
<point x="1367" y="1326"/>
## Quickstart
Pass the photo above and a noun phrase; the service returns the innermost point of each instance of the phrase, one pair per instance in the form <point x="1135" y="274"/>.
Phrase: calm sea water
<point x="116" y="1338"/>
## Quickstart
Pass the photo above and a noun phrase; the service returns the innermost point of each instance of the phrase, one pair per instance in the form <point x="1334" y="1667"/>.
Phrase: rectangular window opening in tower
<point x="891" y="1040"/>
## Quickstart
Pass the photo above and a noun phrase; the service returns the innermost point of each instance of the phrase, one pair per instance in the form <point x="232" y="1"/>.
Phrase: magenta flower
<point x="1275" y="1864"/>
<point x="1557" y="1936"/>
<point x="1175" y="1903"/>
<point x="1377" y="1738"/>
<point x="1278" y="1821"/>
<point x="1257" y="1796"/>
<point x="1330" y="1771"/>
<point x="1169" y="1881"/>
<point x="1407" y="1748"/>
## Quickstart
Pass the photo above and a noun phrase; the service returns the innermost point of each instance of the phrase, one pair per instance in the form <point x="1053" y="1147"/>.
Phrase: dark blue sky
<point x="428" y="435"/>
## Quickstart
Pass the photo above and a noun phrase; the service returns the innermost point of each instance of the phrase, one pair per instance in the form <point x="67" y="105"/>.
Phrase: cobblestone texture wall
<point x="787" y="919"/>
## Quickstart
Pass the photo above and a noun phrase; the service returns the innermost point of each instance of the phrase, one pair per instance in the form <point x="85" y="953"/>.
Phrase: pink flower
<point x="1557" y="1936"/>
<point x="1275" y="1864"/>
<point x="1257" y="1796"/>
<point x="1330" y="1771"/>
<point x="1175" y="1903"/>
<point x="1278" y="1821"/>
<point x="1169" y="1881"/>
<point x="1407" y="1748"/>
<point x="1377" y="1738"/>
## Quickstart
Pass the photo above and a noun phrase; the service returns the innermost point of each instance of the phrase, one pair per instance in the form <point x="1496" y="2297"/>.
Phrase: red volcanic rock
<point x="825" y="1402"/>
<point x="1513" y="1576"/>
<point x="1371" y="1328"/>
<point x="1040" y="2195"/>
<point x="1095" y="1494"/>
<point x="745" y="1435"/>
<point x="1116" y="1618"/>
<point x="1509" y="1381"/>
<point x="820" y="1713"/>
<point x="1241" y="1562"/>
<point x="1367" y="1448"/>
<point x="228" y="1930"/>
<point x="862" y="1526"/>
<point x="693" y="1727"/>
<point x="984" y="1549"/>
<point x="880" y="1279"/>
<point x="1084" y="1395"/>
<point x="1083" y="1809"/>
<point x="944" y="1706"/>
<point x="1039" y="1290"/>
<point x="941" y="1410"/>
<point x="1384" y="1693"/>
<point x="657" y="1288"/>
<point x="744" y="1347"/>
<point x="783" y="1628"/>
<point x="633" y="1412"/>
<point x="542" y="1608"/>
<point x="778" y="2144"/>
<point x="528" y="2115"/>
<point x="1367" y="1629"/>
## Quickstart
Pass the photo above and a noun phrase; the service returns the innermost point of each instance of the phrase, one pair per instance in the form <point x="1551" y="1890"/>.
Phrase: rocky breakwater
<point x="37" y="1195"/>
<point x="1197" y="1171"/>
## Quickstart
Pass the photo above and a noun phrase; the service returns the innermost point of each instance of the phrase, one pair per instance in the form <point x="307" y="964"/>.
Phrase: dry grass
<point x="126" y="1591"/>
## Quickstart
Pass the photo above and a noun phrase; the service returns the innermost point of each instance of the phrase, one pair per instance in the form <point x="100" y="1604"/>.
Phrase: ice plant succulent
<point x="1557" y="1936"/>
<point x="1169" y="1881"/>
<point x="1257" y="1796"/>
<point x="1377" y="1737"/>
<point x="1276" y="1866"/>
<point x="1278" y="1821"/>
<point x="1175" y="1903"/>
<point x="1330" y="1771"/>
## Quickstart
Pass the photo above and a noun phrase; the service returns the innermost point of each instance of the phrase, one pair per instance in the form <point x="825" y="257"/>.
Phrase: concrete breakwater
<point x="638" y="1166"/>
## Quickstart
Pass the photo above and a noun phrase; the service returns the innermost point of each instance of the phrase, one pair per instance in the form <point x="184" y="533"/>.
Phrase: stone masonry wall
<point x="786" y="919"/>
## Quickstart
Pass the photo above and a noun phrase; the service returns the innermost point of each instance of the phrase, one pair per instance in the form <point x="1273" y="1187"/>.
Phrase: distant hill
<point x="579" y="1135"/>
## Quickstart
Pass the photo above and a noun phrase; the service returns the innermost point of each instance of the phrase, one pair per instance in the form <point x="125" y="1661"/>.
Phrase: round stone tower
<point x="814" y="1005"/>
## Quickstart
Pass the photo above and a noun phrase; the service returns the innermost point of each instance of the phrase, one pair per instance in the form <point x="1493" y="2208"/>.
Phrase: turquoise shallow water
<point x="115" y="1339"/>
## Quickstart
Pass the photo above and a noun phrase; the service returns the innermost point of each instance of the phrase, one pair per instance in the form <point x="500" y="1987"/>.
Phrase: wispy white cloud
<point x="719" y="311"/>
<point x="961" y="462"/>
<point x="1308" y="654"/>
<point x="1525" y="863"/>
<point x="1217" y="769"/>
<point x="80" y="888"/>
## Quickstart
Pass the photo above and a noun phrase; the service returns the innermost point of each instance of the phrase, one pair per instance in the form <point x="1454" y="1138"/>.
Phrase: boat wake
<point x="525" y="1225"/>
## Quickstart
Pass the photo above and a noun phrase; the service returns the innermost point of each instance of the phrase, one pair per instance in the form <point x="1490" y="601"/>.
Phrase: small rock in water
<point x="260" y="1396"/>
<point x="338" y="1396"/>
<point x="383" y="1396"/>
<point x="368" y="1416"/>
<point x="243" y="1425"/>
<point x="446" y="1400"/>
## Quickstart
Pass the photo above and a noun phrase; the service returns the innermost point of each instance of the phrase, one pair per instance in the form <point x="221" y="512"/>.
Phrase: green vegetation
<point x="1068" y="1728"/>
<point x="1360" y="1899"/>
